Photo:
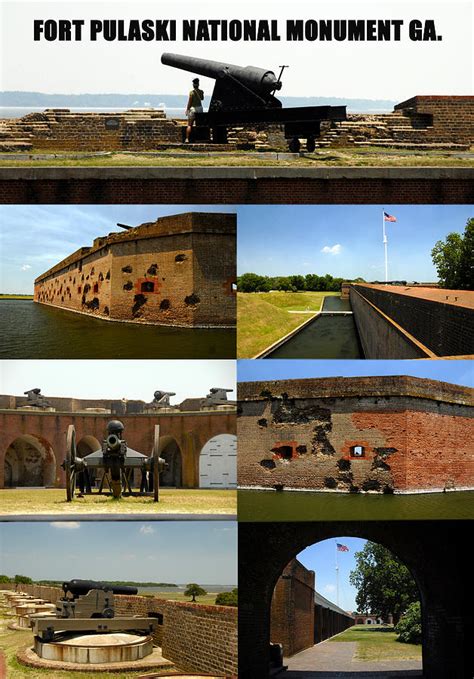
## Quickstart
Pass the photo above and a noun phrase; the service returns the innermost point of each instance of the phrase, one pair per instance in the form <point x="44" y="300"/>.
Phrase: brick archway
<point x="29" y="461"/>
<point x="433" y="551"/>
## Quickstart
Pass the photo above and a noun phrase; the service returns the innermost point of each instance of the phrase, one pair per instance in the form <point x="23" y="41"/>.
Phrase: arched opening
<point x="171" y="453"/>
<point x="85" y="446"/>
<point x="29" y="462"/>
<point x="218" y="462"/>
<point x="315" y="600"/>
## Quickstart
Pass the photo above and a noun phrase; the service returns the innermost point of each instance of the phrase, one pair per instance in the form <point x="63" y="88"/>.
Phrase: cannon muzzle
<point x="113" y="442"/>
<point x="78" y="587"/>
<point x="256" y="79"/>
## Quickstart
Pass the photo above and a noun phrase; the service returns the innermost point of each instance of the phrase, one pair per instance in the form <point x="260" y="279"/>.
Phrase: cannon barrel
<point x="77" y="587"/>
<point x="113" y="442"/>
<point x="256" y="79"/>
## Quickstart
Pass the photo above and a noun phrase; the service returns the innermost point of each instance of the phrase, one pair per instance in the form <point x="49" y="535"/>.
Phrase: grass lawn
<point x="181" y="501"/>
<point x="345" y="157"/>
<point x="378" y="644"/>
<point x="264" y="317"/>
<point x="208" y="599"/>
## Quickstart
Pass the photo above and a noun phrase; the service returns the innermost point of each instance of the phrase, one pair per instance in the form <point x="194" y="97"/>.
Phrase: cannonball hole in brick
<point x="283" y="452"/>
<point x="180" y="258"/>
<point x="192" y="300"/>
<point x="268" y="464"/>
<point x="343" y="465"/>
<point x="262" y="422"/>
<point x="101" y="276"/>
<point x="165" y="304"/>
<point x="147" y="286"/>
<point x="152" y="270"/>
<point x="107" y="276"/>
<point x="357" y="451"/>
<point x="127" y="269"/>
<point x="87" y="287"/>
<point x="128" y="285"/>
<point x="106" y="311"/>
<point x="96" y="287"/>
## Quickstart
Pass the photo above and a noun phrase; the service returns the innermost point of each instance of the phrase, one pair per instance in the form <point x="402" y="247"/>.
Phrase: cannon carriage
<point x="246" y="95"/>
<point x="118" y="464"/>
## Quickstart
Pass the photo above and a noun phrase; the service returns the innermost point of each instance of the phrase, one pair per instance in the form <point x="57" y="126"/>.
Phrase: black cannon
<point x="89" y="606"/>
<point x="245" y="95"/>
<point x="118" y="463"/>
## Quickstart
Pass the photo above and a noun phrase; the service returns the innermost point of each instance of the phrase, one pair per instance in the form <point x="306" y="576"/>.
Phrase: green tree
<point x="454" y="259"/>
<point x="22" y="580"/>
<point x="252" y="282"/>
<point x="5" y="578"/>
<point x="298" y="282"/>
<point x="227" y="598"/>
<point x="384" y="584"/>
<point x="409" y="627"/>
<point x="194" y="590"/>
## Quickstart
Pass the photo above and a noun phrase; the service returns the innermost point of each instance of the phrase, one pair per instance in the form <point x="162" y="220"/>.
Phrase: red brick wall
<point x="195" y="637"/>
<point x="452" y="118"/>
<point x="415" y="435"/>
<point x="292" y="612"/>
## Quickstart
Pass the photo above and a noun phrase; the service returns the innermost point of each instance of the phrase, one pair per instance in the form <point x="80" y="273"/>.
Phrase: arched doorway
<point x="218" y="462"/>
<point x="434" y="552"/>
<point x="171" y="453"/>
<point x="29" y="462"/>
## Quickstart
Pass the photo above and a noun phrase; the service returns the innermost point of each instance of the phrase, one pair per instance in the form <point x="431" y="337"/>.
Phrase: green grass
<point x="2" y="296"/>
<point x="208" y="599"/>
<point x="181" y="501"/>
<point x="263" y="317"/>
<point x="347" y="157"/>
<point x="378" y="643"/>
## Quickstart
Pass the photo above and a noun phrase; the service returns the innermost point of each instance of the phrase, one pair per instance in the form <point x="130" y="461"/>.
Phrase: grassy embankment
<point x="345" y="157"/>
<point x="181" y="501"/>
<point x="378" y="643"/>
<point x="265" y="317"/>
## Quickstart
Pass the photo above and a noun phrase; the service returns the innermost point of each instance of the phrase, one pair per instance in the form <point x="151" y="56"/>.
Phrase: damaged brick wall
<point x="179" y="270"/>
<point x="407" y="436"/>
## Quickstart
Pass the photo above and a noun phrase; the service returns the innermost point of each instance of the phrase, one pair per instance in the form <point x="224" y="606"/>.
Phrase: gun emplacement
<point x="245" y="94"/>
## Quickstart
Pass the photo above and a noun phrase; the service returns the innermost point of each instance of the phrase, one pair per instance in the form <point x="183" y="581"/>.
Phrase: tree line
<point x="252" y="282"/>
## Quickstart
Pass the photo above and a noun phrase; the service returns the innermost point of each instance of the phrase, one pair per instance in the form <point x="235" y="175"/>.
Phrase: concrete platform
<point x="154" y="661"/>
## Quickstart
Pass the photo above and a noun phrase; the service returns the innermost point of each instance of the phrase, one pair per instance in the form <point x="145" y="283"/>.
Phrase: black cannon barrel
<point x="256" y="79"/>
<point x="78" y="587"/>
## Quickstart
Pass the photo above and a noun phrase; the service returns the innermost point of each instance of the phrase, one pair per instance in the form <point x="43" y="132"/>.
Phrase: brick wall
<point x="450" y="118"/>
<point x="197" y="638"/>
<point x="292" y="612"/>
<point x="176" y="271"/>
<point x="447" y="329"/>
<point x="415" y="435"/>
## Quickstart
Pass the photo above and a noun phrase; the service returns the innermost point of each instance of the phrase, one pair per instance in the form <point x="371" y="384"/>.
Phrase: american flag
<point x="389" y="218"/>
<point x="341" y="548"/>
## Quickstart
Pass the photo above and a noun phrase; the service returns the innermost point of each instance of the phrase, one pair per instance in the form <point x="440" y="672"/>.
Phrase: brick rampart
<point x="382" y="434"/>
<point x="196" y="637"/>
<point x="441" y="320"/>
<point x="447" y="118"/>
<point x="165" y="272"/>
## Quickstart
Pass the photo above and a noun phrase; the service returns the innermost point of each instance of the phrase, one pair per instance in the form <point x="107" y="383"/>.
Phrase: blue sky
<point x="272" y="239"/>
<point x="164" y="551"/>
<point x="321" y="558"/>
<point x="35" y="237"/>
<point x="344" y="240"/>
<point x="456" y="372"/>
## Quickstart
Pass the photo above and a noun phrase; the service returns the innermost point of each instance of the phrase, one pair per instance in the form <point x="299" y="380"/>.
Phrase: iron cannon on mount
<point x="246" y="95"/>
<point x="118" y="463"/>
<point x="89" y="606"/>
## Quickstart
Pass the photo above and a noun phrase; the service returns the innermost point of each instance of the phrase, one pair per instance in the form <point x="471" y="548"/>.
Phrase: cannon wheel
<point x="294" y="145"/>
<point x="156" y="464"/>
<point x="310" y="144"/>
<point x="70" y="462"/>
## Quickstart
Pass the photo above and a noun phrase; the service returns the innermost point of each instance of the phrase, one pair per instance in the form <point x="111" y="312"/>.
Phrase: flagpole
<point x="385" y="245"/>
<point x="337" y="577"/>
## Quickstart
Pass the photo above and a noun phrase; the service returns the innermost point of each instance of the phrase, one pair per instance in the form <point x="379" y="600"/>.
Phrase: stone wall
<point x="442" y="320"/>
<point x="196" y="637"/>
<point x="449" y="118"/>
<point x="392" y="434"/>
<point x="179" y="270"/>
<point x="292" y="613"/>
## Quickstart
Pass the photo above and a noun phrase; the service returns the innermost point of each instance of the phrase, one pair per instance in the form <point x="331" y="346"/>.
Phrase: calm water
<point x="260" y="505"/>
<point x="336" y="304"/>
<point x="326" y="337"/>
<point x="30" y="330"/>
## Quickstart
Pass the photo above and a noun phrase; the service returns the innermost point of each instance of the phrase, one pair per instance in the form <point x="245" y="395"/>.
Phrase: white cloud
<point x="146" y="530"/>
<point x="332" y="249"/>
<point x="67" y="525"/>
<point x="25" y="267"/>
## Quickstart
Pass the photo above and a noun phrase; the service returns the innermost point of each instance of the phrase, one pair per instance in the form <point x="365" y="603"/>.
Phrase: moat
<point x="30" y="330"/>
<point x="268" y="505"/>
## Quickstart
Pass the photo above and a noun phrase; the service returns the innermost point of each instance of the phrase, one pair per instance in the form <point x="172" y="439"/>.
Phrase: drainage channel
<point x="332" y="334"/>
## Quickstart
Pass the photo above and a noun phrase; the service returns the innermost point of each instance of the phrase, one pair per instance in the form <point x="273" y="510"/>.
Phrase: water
<point x="326" y="337"/>
<point x="215" y="589"/>
<point x="259" y="505"/>
<point x="336" y="304"/>
<point x="20" y="111"/>
<point x="30" y="330"/>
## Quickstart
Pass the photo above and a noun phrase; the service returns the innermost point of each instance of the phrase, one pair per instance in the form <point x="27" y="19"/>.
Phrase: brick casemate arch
<point x="433" y="551"/>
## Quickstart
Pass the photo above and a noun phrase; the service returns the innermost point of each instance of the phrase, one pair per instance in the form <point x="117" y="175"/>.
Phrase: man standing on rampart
<point x="194" y="106"/>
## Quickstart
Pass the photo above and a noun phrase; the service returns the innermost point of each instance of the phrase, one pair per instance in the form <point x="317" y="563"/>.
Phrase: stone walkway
<point x="335" y="661"/>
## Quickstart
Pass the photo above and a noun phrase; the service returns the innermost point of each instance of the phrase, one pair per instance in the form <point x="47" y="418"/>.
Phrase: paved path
<point x="334" y="660"/>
